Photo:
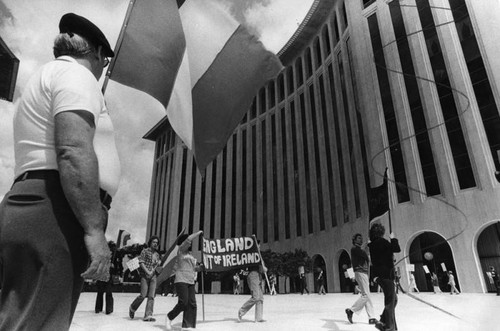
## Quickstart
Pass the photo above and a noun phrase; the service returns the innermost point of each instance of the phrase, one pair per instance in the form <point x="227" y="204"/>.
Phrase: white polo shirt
<point x="58" y="86"/>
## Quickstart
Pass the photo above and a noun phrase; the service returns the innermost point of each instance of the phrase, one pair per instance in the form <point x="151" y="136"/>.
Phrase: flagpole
<point x="202" y="281"/>
<point x="261" y="261"/>
<point x="389" y="202"/>
<point x="118" y="44"/>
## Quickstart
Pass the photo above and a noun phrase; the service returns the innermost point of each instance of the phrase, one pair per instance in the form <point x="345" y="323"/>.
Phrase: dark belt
<point x="54" y="175"/>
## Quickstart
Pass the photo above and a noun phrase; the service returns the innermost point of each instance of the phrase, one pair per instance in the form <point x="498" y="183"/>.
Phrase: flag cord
<point x="466" y="108"/>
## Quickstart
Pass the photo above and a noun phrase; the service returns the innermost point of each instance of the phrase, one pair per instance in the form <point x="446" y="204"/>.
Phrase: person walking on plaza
<point x="236" y="284"/>
<point x="495" y="279"/>
<point x="107" y="287"/>
<point x="451" y="282"/>
<point x="303" y="283"/>
<point x="148" y="261"/>
<point x="413" y="285"/>
<point x="360" y="263"/>
<point x="381" y="254"/>
<point x="435" y="283"/>
<point x="321" y="282"/>
<point x="254" y="280"/>
<point x="53" y="219"/>
<point x="186" y="270"/>
<point x="272" y="284"/>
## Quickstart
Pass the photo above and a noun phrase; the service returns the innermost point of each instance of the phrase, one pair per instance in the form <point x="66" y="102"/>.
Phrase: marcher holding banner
<point x="254" y="280"/>
<point x="185" y="274"/>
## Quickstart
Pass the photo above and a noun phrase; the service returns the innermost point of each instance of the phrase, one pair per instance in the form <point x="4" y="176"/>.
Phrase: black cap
<point x="72" y="23"/>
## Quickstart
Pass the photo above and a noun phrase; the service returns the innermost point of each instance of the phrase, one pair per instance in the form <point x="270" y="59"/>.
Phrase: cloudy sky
<point x="28" y="27"/>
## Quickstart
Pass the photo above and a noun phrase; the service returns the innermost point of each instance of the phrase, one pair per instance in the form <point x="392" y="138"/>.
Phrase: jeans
<point x="365" y="300"/>
<point x="42" y="255"/>
<point x="148" y="289"/>
<point x="186" y="304"/>
<point x="388" y="316"/>
<point x="257" y="297"/>
<point x="104" y="287"/>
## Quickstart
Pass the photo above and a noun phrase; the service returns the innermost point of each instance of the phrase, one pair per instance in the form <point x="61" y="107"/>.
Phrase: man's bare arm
<point x="79" y="174"/>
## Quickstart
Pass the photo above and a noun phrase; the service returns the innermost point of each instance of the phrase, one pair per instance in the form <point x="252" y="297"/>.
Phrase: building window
<point x="359" y="122"/>
<point x="307" y="173"/>
<point x="309" y="64"/>
<point x="182" y="191"/>
<point x="296" y="171"/>
<point x="419" y="124"/>
<point x="244" y="182"/>
<point x="335" y="29"/>
<point x="338" y="139"/>
<point x="317" y="50"/>
<point x="326" y="37"/>
<point x="253" y="141"/>
<point x="192" y="197"/>
<point x="479" y="78"/>
<point x="317" y="159"/>
<point x="276" y="174"/>
<point x="367" y="3"/>
<point x="389" y="112"/>
<point x="351" y="155"/>
<point x="233" y="189"/>
<point x="448" y="106"/>
<point x="272" y="94"/>
<point x="223" y="200"/>
<point x="298" y="70"/>
<point x="284" y="145"/>
<point x="264" y="181"/>
<point x="344" y="15"/>
<point x="281" y="87"/>
<point x="213" y="198"/>
<point x="328" y="147"/>
<point x="289" y="74"/>
<point x="263" y="104"/>
<point x="253" y="109"/>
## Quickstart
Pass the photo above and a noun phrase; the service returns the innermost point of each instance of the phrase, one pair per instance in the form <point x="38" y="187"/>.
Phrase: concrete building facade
<point x="409" y="85"/>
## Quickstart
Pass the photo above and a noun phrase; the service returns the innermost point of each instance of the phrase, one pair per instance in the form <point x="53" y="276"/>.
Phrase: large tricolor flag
<point x="199" y="62"/>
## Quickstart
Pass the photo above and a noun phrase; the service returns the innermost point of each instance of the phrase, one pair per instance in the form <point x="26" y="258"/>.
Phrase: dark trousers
<point x="42" y="255"/>
<point x="388" y="316"/>
<point x="304" y="286"/>
<point x="186" y="304"/>
<point x="104" y="287"/>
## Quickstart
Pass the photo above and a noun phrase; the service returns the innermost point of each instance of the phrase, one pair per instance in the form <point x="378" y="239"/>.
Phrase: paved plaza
<point x="301" y="312"/>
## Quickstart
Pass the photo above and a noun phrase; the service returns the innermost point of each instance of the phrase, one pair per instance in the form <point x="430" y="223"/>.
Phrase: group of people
<point x="54" y="218"/>
<point x="380" y="253"/>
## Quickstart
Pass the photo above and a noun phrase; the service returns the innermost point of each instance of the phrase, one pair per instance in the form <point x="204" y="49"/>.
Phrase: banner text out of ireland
<point x="229" y="253"/>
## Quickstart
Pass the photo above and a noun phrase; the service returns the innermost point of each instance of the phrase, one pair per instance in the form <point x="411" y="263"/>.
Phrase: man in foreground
<point x="52" y="221"/>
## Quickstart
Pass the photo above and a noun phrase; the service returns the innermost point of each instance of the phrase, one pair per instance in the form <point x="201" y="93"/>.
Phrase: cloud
<point x="275" y="21"/>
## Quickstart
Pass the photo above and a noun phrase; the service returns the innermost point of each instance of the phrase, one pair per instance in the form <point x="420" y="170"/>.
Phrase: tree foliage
<point x="287" y="263"/>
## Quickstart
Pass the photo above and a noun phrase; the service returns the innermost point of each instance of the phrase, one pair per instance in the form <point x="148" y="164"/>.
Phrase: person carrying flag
<point x="186" y="269"/>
